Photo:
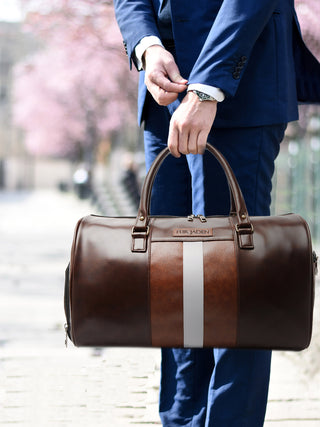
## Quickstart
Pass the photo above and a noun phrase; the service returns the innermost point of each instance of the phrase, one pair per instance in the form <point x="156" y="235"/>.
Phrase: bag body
<point x="235" y="281"/>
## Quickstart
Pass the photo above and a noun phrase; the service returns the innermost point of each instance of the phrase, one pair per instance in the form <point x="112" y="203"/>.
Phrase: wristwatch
<point x="203" y="96"/>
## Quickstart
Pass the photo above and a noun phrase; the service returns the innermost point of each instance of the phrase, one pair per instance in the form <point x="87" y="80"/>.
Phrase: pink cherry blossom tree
<point x="308" y="12"/>
<point x="76" y="91"/>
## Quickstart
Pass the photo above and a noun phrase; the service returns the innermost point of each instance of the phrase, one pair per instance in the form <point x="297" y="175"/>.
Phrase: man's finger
<point x="163" y="82"/>
<point x="165" y="98"/>
<point x="183" y="141"/>
<point x="174" y="74"/>
<point x="161" y="96"/>
<point x="202" y="142"/>
<point x="173" y="142"/>
<point x="192" y="143"/>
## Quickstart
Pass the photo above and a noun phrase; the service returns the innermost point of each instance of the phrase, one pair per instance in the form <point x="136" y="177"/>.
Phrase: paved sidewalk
<point x="44" y="384"/>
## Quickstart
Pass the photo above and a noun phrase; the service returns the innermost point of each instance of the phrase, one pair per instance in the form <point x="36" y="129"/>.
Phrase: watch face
<point x="203" y="96"/>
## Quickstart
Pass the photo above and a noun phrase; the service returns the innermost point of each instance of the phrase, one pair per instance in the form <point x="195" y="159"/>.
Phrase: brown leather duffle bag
<point x="235" y="281"/>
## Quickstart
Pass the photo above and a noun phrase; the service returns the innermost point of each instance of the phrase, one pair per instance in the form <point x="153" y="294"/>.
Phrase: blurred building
<point x="18" y="169"/>
<point x="14" y="162"/>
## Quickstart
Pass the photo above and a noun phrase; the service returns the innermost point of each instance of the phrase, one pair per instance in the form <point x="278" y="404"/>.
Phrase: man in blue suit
<point x="229" y="72"/>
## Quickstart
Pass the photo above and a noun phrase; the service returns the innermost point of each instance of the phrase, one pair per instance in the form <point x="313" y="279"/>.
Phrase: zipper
<point x="202" y="218"/>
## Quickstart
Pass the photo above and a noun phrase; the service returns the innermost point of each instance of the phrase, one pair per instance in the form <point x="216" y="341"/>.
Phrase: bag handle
<point x="238" y="211"/>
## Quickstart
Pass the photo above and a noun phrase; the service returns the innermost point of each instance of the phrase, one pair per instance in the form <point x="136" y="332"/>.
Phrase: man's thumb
<point x="175" y="77"/>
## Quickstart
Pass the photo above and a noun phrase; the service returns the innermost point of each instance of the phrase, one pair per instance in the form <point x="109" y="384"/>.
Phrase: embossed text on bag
<point x="192" y="232"/>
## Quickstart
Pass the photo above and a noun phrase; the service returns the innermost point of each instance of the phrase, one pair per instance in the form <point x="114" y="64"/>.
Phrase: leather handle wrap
<point x="237" y="201"/>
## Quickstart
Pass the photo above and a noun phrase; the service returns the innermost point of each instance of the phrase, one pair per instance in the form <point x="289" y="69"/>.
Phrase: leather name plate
<point x="192" y="232"/>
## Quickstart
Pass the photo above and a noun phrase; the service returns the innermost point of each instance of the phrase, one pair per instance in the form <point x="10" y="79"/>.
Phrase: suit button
<point x="236" y="75"/>
<point x="243" y="59"/>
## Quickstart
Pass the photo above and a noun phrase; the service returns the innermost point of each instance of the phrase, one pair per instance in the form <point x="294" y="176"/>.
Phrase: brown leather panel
<point x="109" y="285"/>
<point x="163" y="229"/>
<point x="220" y="294"/>
<point x="166" y="294"/>
<point x="277" y="285"/>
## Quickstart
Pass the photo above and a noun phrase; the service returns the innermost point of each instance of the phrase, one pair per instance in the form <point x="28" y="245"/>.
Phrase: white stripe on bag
<point x="193" y="294"/>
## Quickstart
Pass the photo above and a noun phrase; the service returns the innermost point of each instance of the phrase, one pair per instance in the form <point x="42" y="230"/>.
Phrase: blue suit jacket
<point x="251" y="49"/>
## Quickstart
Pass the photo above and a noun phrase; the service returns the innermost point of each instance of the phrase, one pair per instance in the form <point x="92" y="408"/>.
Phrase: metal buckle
<point x="140" y="232"/>
<point x="244" y="228"/>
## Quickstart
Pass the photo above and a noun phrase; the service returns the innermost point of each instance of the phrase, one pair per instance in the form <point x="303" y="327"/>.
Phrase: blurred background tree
<point x="297" y="178"/>
<point x="308" y="12"/>
<point x="74" y="98"/>
<point x="75" y="92"/>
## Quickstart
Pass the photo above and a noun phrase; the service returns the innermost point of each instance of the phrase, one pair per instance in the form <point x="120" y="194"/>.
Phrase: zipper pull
<point x="202" y="218"/>
<point x="66" y="329"/>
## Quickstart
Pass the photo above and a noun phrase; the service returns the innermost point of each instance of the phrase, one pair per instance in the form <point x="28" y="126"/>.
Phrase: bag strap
<point x="238" y="211"/>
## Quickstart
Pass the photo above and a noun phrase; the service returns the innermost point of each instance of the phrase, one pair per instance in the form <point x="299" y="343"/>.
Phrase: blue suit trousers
<point x="212" y="387"/>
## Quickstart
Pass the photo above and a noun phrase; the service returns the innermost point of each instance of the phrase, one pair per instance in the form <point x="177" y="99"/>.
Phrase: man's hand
<point x="162" y="76"/>
<point x="190" y="125"/>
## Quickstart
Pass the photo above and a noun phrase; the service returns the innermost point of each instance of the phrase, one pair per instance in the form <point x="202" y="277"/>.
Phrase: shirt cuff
<point x="213" y="91"/>
<point x="142" y="46"/>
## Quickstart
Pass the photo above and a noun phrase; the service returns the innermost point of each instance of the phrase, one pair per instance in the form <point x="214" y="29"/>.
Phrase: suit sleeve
<point x="228" y="46"/>
<point x="136" y="19"/>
